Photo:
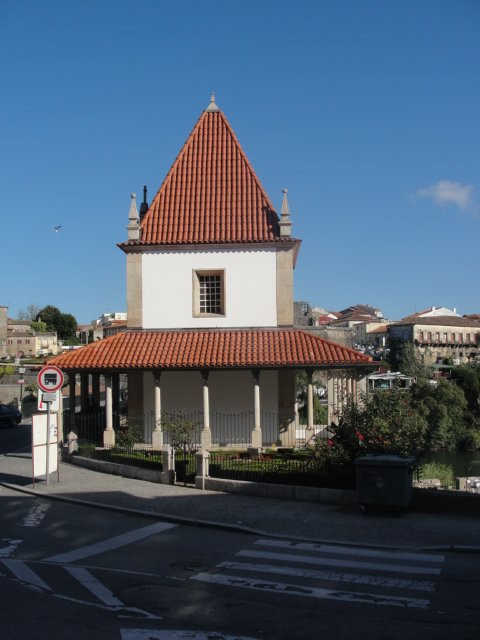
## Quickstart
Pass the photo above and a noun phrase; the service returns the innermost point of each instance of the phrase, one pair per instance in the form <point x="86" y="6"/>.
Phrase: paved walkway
<point x="285" y="518"/>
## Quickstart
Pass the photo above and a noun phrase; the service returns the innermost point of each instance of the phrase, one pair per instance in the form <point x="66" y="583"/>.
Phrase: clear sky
<point x="367" y="111"/>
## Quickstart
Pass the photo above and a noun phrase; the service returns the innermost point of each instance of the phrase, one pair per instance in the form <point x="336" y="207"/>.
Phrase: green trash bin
<point x="384" y="481"/>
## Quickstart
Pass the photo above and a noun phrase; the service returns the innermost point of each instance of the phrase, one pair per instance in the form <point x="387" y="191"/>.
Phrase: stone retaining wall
<point x="283" y="491"/>
<point x="124" y="470"/>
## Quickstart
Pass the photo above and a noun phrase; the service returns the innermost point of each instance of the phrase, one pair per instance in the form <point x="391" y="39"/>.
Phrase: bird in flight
<point x="57" y="228"/>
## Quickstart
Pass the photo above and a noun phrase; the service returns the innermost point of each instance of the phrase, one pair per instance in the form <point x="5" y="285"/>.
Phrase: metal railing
<point x="281" y="469"/>
<point x="88" y="426"/>
<point x="228" y="430"/>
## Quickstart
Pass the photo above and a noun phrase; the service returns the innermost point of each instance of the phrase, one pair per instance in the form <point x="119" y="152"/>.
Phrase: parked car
<point x="9" y="416"/>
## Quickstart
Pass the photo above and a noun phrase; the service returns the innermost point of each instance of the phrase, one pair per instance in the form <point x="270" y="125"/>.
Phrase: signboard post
<point x="50" y="379"/>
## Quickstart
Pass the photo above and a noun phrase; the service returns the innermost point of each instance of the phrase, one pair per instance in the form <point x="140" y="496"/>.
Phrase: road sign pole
<point x="48" y="442"/>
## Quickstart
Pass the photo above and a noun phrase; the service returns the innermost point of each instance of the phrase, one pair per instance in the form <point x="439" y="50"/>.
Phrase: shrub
<point x="127" y="437"/>
<point x="383" y="422"/>
<point x="86" y="449"/>
<point x="437" y="470"/>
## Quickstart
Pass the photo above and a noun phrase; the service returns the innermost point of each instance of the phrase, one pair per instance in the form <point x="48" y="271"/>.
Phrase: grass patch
<point x="438" y="471"/>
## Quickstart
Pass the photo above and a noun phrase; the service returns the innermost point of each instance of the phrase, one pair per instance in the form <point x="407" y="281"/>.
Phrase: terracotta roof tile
<point x="382" y="329"/>
<point x="447" y="321"/>
<point x="211" y="193"/>
<point x="212" y="349"/>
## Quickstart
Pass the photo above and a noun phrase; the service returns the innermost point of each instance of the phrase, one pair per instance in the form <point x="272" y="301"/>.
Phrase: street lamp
<point x="21" y="382"/>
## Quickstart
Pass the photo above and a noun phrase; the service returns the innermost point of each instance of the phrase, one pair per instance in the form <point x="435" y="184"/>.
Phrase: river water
<point x="464" y="463"/>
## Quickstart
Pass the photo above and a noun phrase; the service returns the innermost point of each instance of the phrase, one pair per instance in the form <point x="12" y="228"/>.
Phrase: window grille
<point x="210" y="293"/>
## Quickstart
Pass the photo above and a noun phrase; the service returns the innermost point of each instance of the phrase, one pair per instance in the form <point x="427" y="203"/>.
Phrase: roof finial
<point x="144" y="205"/>
<point x="133" y="227"/>
<point x="212" y="107"/>
<point x="285" y="223"/>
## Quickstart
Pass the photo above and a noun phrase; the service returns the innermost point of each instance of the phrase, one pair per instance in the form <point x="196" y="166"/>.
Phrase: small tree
<point x="180" y="430"/>
<point x="39" y="327"/>
<point x="30" y="313"/>
<point x="410" y="363"/>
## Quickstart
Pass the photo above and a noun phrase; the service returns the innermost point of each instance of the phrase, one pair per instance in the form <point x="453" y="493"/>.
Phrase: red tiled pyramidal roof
<point x="211" y="193"/>
<point x="210" y="349"/>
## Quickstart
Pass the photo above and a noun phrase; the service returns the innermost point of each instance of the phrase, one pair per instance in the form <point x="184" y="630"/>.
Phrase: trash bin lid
<point x="385" y="458"/>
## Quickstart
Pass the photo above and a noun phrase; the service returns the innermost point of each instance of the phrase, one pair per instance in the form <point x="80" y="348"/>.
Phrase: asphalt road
<point x="17" y="438"/>
<point x="74" y="571"/>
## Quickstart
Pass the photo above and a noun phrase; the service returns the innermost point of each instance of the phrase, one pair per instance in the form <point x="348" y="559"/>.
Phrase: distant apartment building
<point x="32" y="345"/>
<point x="363" y="332"/>
<point x="377" y="337"/>
<point x="306" y="316"/>
<point x="359" y="314"/>
<point x="436" y="311"/>
<point x="440" y="338"/>
<point x="107" y="324"/>
<point x="18" y="339"/>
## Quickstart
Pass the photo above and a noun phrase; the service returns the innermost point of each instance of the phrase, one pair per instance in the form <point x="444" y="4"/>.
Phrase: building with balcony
<point x="440" y="339"/>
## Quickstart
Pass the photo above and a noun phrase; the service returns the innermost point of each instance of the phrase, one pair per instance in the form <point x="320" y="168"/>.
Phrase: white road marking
<point x="128" y="612"/>
<point x="111" y="543"/>
<point x="353" y="551"/>
<point x="6" y="552"/>
<point x="330" y="562"/>
<point x="35" y="515"/>
<point x="23" y="572"/>
<point x="176" y="634"/>
<point x="312" y="592"/>
<point x="93" y="585"/>
<point x="332" y="576"/>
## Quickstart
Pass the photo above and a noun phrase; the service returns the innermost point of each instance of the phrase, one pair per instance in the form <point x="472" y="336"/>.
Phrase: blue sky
<point x="367" y="111"/>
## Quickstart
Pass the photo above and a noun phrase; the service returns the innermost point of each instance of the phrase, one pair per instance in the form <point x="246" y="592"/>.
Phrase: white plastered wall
<point x="229" y="391"/>
<point x="250" y="288"/>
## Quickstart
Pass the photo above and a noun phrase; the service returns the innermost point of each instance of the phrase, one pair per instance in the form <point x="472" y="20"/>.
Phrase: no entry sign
<point x="50" y="378"/>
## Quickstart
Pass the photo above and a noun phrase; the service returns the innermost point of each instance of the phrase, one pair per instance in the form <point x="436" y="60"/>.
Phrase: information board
<point x="42" y="405"/>
<point x="39" y="445"/>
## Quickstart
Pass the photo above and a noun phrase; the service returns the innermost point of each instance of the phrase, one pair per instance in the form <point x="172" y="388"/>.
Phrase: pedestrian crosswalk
<point x="341" y="573"/>
<point x="325" y="571"/>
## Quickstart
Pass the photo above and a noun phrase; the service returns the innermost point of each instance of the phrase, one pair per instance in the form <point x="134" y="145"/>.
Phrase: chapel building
<point x="210" y="307"/>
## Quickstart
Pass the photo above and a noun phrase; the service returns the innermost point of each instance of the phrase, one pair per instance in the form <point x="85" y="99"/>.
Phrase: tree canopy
<point x="63" y="323"/>
<point x="451" y="423"/>
<point x="38" y="327"/>
<point x="383" y="422"/>
<point x="30" y="313"/>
